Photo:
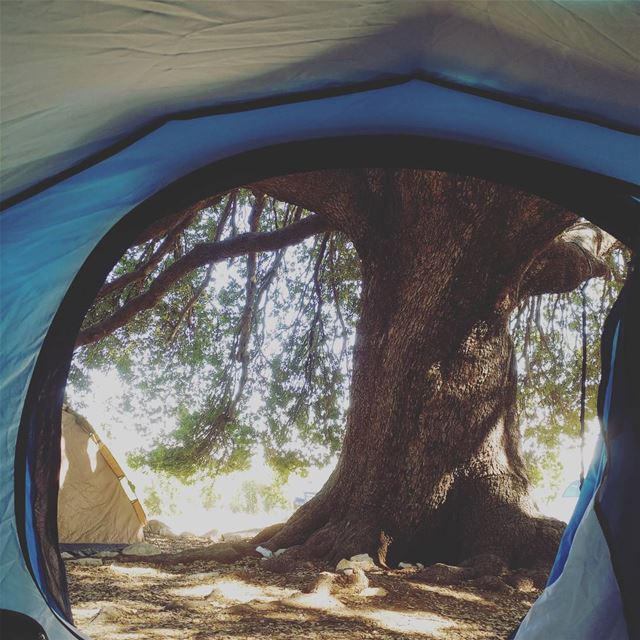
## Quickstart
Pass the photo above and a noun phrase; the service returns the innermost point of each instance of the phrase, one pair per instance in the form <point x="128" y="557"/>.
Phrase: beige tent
<point x="96" y="503"/>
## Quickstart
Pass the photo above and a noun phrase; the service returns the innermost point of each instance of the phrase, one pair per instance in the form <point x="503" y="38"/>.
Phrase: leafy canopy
<point x="249" y="352"/>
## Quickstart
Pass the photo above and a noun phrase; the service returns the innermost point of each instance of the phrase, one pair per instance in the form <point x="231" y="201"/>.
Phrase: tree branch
<point x="224" y="217"/>
<point x="148" y="265"/>
<point x="164" y="224"/>
<point x="191" y="303"/>
<point x="246" y="321"/>
<point x="201" y="254"/>
<point x="334" y="194"/>
<point x="573" y="257"/>
<point x="167" y="245"/>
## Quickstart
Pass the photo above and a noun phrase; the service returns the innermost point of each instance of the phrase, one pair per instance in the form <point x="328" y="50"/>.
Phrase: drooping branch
<point x="195" y="296"/>
<point x="186" y="310"/>
<point x="333" y="285"/>
<point x="223" y="406"/>
<point x="246" y="320"/>
<point x="263" y="289"/>
<point x="202" y="254"/>
<point x="315" y="328"/>
<point x="575" y="256"/>
<point x="169" y="242"/>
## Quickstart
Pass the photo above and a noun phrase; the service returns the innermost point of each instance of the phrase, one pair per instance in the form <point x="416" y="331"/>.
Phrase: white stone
<point x="279" y="552"/>
<point x="405" y="565"/>
<point x="265" y="553"/>
<point x="213" y="535"/>
<point x="362" y="557"/>
<point x="106" y="554"/>
<point x="231" y="537"/>
<point x="420" y="566"/>
<point x="364" y="561"/>
<point x="361" y="561"/>
<point x="141" y="549"/>
<point x="66" y="556"/>
<point x="372" y="592"/>
<point x="88" y="562"/>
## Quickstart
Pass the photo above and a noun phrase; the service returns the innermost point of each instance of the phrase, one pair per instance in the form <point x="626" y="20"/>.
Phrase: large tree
<point x="430" y="465"/>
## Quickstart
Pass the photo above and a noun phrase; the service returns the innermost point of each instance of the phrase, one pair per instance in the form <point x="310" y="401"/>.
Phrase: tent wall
<point x="81" y="210"/>
<point x="592" y="591"/>
<point x="93" y="505"/>
<point x="89" y="88"/>
<point x="79" y="75"/>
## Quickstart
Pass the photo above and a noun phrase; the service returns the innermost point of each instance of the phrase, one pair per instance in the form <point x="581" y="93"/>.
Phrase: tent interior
<point x="117" y="115"/>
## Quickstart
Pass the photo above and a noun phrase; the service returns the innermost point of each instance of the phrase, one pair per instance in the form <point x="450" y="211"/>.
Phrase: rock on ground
<point x="213" y="535"/>
<point x="158" y="528"/>
<point x="360" y="561"/>
<point x="322" y="583"/>
<point x="491" y="583"/>
<point x="354" y="580"/>
<point x="141" y="549"/>
<point x="445" y="574"/>
<point x="88" y="562"/>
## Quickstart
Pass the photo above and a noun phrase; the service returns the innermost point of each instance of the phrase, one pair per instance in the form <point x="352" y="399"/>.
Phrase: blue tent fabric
<point x="514" y="105"/>
<point x="598" y="464"/>
<point x="617" y="497"/>
<point x="78" y="76"/>
<point x="593" y="584"/>
<point x="584" y="603"/>
<point x="589" y="488"/>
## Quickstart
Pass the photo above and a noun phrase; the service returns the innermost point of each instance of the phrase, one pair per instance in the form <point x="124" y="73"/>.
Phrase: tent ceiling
<point x="78" y="76"/>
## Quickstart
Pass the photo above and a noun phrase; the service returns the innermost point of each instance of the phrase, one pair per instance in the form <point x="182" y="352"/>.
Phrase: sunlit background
<point x="253" y="499"/>
<point x="229" y="503"/>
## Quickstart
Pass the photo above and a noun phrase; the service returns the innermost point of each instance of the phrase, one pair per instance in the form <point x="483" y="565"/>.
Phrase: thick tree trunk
<point x="431" y="469"/>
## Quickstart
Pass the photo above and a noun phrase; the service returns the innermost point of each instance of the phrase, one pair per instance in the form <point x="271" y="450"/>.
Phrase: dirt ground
<point x="119" y="600"/>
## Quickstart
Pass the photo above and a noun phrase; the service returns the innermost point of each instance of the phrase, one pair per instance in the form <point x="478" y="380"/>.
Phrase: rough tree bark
<point x="430" y="469"/>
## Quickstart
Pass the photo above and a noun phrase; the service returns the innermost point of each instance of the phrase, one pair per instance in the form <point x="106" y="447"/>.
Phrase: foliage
<point x="253" y="496"/>
<point x="547" y="333"/>
<point x="209" y="497"/>
<point x="277" y="380"/>
<point x="255" y="352"/>
<point x="160" y="498"/>
<point x="153" y="502"/>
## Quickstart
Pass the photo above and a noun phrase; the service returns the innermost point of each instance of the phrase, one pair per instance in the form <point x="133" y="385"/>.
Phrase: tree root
<point x="223" y="552"/>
